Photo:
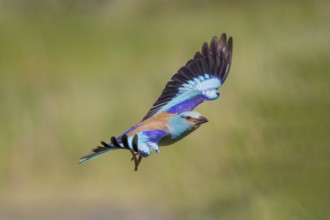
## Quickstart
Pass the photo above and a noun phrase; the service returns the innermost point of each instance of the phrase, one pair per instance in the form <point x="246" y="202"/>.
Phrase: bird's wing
<point x="198" y="80"/>
<point x="148" y="141"/>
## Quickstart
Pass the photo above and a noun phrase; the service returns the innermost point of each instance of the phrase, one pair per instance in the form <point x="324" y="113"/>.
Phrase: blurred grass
<point x="72" y="75"/>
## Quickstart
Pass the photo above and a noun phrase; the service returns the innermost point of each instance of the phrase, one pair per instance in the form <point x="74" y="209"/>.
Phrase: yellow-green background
<point x="73" y="73"/>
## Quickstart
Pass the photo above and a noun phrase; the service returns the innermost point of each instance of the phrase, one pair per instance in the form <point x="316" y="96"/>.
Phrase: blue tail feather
<point x="94" y="155"/>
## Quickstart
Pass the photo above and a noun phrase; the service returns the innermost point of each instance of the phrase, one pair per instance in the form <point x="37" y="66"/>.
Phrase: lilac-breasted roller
<point x="171" y="118"/>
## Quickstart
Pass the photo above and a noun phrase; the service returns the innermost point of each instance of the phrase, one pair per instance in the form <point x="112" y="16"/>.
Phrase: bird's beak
<point x="202" y="120"/>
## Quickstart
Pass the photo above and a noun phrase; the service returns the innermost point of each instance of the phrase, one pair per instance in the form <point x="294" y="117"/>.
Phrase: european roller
<point x="171" y="118"/>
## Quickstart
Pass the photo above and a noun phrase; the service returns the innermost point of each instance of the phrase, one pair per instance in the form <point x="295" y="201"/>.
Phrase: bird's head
<point x="195" y="119"/>
<point x="185" y="123"/>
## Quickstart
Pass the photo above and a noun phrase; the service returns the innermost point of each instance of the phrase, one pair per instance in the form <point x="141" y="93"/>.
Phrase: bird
<point x="172" y="116"/>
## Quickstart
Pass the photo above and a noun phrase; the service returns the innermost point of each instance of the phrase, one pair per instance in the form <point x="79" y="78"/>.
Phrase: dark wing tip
<point x="229" y="47"/>
<point x="222" y="41"/>
<point x="214" y="45"/>
<point x="217" y="55"/>
<point x="222" y="55"/>
<point x="228" y="52"/>
<point x="230" y="42"/>
<point x="205" y="49"/>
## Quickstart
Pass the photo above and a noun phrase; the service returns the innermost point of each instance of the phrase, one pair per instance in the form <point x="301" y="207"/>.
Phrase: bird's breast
<point x="170" y="138"/>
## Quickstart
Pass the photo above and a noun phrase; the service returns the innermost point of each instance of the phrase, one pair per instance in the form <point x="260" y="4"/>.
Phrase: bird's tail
<point x="114" y="144"/>
<point x="95" y="154"/>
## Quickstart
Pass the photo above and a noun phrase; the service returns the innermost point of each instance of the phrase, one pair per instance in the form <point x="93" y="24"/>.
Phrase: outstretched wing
<point x="198" y="80"/>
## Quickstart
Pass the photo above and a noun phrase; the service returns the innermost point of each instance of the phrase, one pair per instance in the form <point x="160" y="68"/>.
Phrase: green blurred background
<point x="73" y="73"/>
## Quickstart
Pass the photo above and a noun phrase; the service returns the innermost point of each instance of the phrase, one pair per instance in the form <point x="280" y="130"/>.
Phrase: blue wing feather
<point x="148" y="141"/>
<point x="198" y="80"/>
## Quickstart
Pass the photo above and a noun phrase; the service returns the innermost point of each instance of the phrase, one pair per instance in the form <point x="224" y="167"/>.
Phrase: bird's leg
<point x="135" y="152"/>
<point x="139" y="160"/>
<point x="134" y="158"/>
<point x="124" y="140"/>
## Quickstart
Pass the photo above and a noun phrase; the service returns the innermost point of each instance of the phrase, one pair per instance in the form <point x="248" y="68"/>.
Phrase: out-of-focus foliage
<point x="73" y="73"/>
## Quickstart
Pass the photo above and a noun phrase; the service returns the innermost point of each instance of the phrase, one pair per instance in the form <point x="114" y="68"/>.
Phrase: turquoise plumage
<point x="171" y="118"/>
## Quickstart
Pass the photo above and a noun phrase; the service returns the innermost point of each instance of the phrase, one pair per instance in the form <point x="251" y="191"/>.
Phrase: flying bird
<point x="171" y="118"/>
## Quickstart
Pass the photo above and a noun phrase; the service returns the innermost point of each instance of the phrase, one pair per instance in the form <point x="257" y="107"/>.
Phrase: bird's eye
<point x="188" y="117"/>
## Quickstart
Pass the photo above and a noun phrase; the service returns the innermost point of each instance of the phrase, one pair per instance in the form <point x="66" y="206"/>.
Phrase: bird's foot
<point x="134" y="151"/>
<point x="134" y="155"/>
<point x="136" y="159"/>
